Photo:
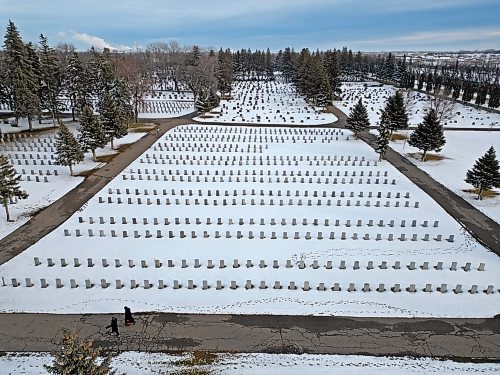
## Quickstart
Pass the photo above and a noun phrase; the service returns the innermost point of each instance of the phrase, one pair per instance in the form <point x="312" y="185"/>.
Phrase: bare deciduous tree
<point x="443" y="107"/>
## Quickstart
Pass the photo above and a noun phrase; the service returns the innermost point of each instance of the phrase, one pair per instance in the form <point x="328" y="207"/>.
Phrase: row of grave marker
<point x="272" y="221"/>
<point x="239" y="235"/>
<point x="412" y="266"/>
<point x="443" y="288"/>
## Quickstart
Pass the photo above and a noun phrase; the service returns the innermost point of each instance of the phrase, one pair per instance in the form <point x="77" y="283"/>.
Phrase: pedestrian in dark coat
<point x="114" y="326"/>
<point x="129" y="319"/>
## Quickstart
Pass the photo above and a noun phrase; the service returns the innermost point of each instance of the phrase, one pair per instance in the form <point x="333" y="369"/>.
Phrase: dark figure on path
<point x="114" y="326"/>
<point x="129" y="319"/>
<point x="157" y="132"/>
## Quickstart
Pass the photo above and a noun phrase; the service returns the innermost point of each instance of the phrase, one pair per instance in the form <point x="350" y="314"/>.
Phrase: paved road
<point x="459" y="338"/>
<point x="480" y="226"/>
<point x="58" y="212"/>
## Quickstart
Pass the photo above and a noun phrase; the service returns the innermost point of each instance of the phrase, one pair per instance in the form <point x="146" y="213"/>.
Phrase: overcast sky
<point x="367" y="25"/>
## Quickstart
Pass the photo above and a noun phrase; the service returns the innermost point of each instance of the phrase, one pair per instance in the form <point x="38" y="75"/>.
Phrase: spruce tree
<point x="122" y="97"/>
<point x="485" y="174"/>
<point x="78" y="356"/>
<point x="358" y="121"/>
<point x="78" y="89"/>
<point x="429" y="134"/>
<point x="21" y="78"/>
<point x="395" y="109"/>
<point x="194" y="58"/>
<point x="35" y="84"/>
<point x="204" y="102"/>
<point x="224" y="72"/>
<point x="50" y="77"/>
<point x="324" y="95"/>
<point x="68" y="149"/>
<point x="92" y="135"/>
<point x="112" y="119"/>
<point x="9" y="184"/>
<point x="382" y="138"/>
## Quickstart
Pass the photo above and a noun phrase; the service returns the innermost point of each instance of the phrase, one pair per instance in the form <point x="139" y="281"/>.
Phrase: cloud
<point x="443" y="36"/>
<point x="62" y="34"/>
<point x="97" y="42"/>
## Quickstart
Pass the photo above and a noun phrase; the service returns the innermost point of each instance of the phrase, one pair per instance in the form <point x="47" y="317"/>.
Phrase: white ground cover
<point x="214" y="162"/>
<point x="155" y="105"/>
<point x="460" y="152"/>
<point x="27" y="152"/>
<point x="273" y="102"/>
<point x="136" y="363"/>
<point x="166" y="104"/>
<point x="374" y="96"/>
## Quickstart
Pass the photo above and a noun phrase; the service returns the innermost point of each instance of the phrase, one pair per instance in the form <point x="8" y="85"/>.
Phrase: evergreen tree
<point x="382" y="139"/>
<point x="50" y="77"/>
<point x="78" y="356"/>
<point x="21" y="78"/>
<point x="77" y="86"/>
<point x="9" y="184"/>
<point x="485" y="174"/>
<point x="68" y="149"/>
<point x="429" y="134"/>
<point x="194" y="58"/>
<point x="396" y="115"/>
<point x="112" y="119"/>
<point x="357" y="120"/>
<point x="324" y="95"/>
<point x="333" y="69"/>
<point x="224" y="72"/>
<point x="204" y="101"/>
<point x="122" y="97"/>
<point x="35" y="85"/>
<point x="92" y="135"/>
<point x="269" y="66"/>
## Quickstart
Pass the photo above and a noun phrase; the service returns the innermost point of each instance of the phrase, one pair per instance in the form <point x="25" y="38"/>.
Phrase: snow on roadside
<point x="460" y="152"/>
<point x="141" y="363"/>
<point x="42" y="194"/>
<point x="374" y="96"/>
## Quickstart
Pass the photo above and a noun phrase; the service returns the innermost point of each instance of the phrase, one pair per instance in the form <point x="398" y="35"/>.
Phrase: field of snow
<point x="32" y="155"/>
<point x="156" y="104"/>
<point x="166" y="104"/>
<point x="216" y="219"/>
<point x="460" y="152"/>
<point x="273" y="102"/>
<point x="374" y="96"/>
<point x="135" y="363"/>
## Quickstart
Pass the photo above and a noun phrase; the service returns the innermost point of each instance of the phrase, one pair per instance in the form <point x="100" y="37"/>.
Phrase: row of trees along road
<point x="428" y="136"/>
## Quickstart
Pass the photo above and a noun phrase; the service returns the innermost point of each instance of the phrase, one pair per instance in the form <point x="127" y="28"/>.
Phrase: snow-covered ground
<point x="23" y="125"/>
<point x="166" y="104"/>
<point x="32" y="155"/>
<point x="460" y="152"/>
<point x="211" y="193"/>
<point x="273" y="102"/>
<point x="136" y="363"/>
<point x="157" y="104"/>
<point x="374" y="96"/>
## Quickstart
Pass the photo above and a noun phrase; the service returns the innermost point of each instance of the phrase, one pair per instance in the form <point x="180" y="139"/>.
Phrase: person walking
<point x="113" y="326"/>
<point x="157" y="132"/>
<point x="129" y="319"/>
